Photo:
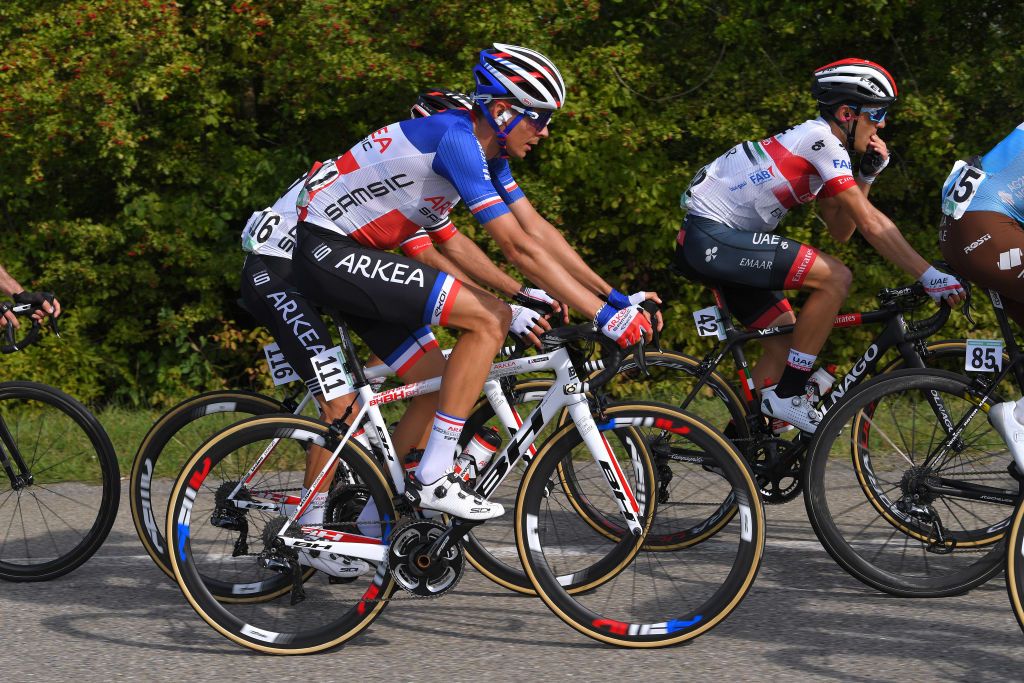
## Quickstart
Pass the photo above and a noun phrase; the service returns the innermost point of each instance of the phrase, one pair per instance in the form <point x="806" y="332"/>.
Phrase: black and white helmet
<point x="853" y="81"/>
<point x="524" y="75"/>
<point x="436" y="101"/>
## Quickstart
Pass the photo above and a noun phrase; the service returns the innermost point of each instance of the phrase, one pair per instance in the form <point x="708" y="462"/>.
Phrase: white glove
<point x="940" y="285"/>
<point x="532" y="296"/>
<point x="523" y="320"/>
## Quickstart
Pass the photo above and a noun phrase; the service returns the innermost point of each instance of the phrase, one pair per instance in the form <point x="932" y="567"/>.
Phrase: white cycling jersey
<point x="753" y="185"/>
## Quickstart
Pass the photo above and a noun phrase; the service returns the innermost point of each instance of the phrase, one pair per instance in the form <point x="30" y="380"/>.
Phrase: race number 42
<point x="707" y="322"/>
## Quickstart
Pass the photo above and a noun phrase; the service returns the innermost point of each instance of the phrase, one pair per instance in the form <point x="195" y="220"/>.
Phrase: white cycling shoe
<point x="452" y="496"/>
<point x="796" y="410"/>
<point x="1005" y="422"/>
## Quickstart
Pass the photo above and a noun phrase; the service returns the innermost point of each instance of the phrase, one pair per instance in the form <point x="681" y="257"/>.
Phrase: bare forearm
<point x="435" y="259"/>
<point x="886" y="238"/>
<point x="537" y="227"/>
<point x="8" y="285"/>
<point x="545" y="270"/>
<point x="471" y="258"/>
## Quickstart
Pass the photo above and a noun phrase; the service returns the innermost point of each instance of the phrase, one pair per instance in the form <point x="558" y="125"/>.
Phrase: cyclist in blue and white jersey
<point x="981" y="236"/>
<point x="408" y="175"/>
<point x="735" y="203"/>
<point x="268" y="292"/>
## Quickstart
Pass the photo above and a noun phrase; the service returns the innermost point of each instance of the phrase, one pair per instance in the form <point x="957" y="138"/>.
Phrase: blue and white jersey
<point x="1002" y="190"/>
<point x="405" y="177"/>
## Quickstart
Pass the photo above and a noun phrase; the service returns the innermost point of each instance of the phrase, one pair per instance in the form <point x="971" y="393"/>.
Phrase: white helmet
<point x="524" y="75"/>
<point x="854" y="81"/>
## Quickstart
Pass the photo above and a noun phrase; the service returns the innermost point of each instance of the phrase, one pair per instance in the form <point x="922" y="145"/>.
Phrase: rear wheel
<point x="893" y="513"/>
<point x="166" y="447"/>
<point x="224" y="543"/>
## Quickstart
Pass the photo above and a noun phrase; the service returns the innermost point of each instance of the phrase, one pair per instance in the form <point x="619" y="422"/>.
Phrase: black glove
<point x="35" y="299"/>
<point x="872" y="163"/>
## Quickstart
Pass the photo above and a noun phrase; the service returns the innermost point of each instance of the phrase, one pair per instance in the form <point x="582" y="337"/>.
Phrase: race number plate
<point x="984" y="355"/>
<point x="335" y="380"/>
<point x="281" y="370"/>
<point x="959" y="189"/>
<point x="707" y="322"/>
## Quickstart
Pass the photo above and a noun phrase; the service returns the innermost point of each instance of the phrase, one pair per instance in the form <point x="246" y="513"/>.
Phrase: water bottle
<point x="820" y="382"/>
<point x="477" y="453"/>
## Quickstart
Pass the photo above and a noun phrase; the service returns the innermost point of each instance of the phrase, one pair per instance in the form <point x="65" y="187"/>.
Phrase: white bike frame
<point x="567" y="392"/>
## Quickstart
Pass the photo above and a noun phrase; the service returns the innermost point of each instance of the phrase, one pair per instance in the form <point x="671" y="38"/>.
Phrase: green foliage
<point x="138" y="136"/>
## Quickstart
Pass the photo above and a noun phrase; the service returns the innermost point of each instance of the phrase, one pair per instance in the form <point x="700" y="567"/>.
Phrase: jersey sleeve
<point x="415" y="243"/>
<point x="460" y="160"/>
<point x="831" y="162"/>
<point x="504" y="184"/>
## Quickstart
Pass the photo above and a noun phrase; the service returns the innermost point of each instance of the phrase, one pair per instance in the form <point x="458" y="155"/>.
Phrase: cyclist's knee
<point x="830" y="275"/>
<point x="489" y="317"/>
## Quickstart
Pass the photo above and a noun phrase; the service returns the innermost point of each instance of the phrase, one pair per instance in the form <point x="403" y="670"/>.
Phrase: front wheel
<point x="631" y="596"/>
<point x="893" y="511"/>
<point x="61" y="491"/>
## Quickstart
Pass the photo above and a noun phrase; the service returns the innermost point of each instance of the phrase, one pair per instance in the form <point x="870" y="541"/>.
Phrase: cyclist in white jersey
<point x="409" y="175"/>
<point x="735" y="203"/>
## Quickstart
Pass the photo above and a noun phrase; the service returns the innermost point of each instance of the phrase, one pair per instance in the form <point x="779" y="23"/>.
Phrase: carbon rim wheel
<point x="639" y="598"/>
<point x="166" y="446"/>
<point x="880" y="510"/>
<point x="331" y="612"/>
<point x="57" y="512"/>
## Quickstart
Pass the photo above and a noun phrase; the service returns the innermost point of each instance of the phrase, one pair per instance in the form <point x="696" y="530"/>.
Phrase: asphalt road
<point x="119" y="618"/>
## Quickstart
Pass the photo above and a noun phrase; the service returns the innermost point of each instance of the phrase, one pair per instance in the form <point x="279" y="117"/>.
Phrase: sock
<point x="366" y="527"/>
<point x="314" y="514"/>
<point x="1018" y="410"/>
<point x="439" y="454"/>
<point x="794" y="377"/>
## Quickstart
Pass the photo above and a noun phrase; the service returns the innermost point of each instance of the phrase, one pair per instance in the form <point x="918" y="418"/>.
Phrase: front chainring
<point x="410" y="564"/>
<point x="777" y="465"/>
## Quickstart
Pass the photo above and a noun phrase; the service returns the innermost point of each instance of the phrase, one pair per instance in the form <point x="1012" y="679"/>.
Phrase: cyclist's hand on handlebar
<point x="624" y="327"/>
<point x="939" y="286"/>
<point x="620" y="301"/>
<point x="43" y="304"/>
<point x="539" y="299"/>
<point x="7" y="316"/>
<point x="528" y="324"/>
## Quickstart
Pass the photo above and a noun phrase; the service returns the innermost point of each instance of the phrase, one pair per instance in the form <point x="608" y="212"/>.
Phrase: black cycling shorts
<point x="277" y="305"/>
<point x="388" y="299"/>
<point x="750" y="268"/>
<point x="987" y="248"/>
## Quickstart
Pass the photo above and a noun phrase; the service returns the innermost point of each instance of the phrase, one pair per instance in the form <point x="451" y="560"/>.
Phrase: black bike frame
<point x="950" y="444"/>
<point x="896" y="334"/>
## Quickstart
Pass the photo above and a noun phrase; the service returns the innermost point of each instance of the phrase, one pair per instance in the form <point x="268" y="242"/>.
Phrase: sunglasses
<point x="875" y="114"/>
<point x="539" y="121"/>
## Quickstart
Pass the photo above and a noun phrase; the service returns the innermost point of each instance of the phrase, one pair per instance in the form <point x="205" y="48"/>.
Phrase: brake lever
<point x="653" y="309"/>
<point x="54" y="327"/>
<point x="640" y="356"/>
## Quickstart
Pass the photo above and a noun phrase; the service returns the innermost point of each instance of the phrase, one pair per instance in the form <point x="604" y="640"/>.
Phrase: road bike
<point x="233" y="507"/>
